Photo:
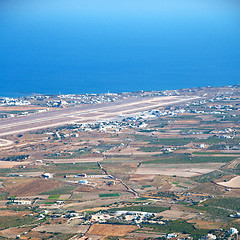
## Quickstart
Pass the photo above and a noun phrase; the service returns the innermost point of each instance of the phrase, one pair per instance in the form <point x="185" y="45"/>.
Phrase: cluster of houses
<point x="6" y="101"/>
<point x="135" y="217"/>
<point x="90" y="98"/>
<point x="129" y="121"/>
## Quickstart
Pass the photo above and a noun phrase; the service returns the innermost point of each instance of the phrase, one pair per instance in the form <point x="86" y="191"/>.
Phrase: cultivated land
<point x="121" y="166"/>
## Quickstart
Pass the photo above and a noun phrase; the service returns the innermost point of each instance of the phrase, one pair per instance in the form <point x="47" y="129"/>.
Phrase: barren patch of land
<point x="21" y="108"/>
<point x="205" y="224"/>
<point x="62" y="228"/>
<point x="176" y="214"/>
<point x="13" y="232"/>
<point x="13" y="213"/>
<point x="233" y="183"/>
<point x="31" y="187"/>
<point x="180" y="170"/>
<point x="4" y="142"/>
<point x="76" y="160"/>
<point x="8" y="164"/>
<point x="111" y="230"/>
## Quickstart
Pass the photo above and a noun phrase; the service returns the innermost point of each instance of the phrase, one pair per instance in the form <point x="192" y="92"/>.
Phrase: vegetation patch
<point x="150" y="149"/>
<point x="65" y="189"/>
<point x="183" y="158"/>
<point x="180" y="226"/>
<point x="109" y="195"/>
<point x="146" y="208"/>
<point x="14" y="221"/>
<point x="146" y="186"/>
<point x="229" y="203"/>
<point x="3" y="195"/>
<point x="17" y="158"/>
<point x="214" y="153"/>
<point x="54" y="197"/>
<point x="214" y="175"/>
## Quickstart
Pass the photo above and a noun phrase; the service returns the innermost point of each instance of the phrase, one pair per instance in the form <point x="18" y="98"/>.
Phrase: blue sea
<point x="96" y="46"/>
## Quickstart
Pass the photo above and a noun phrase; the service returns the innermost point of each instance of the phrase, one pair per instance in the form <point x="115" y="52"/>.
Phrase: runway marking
<point x="76" y="115"/>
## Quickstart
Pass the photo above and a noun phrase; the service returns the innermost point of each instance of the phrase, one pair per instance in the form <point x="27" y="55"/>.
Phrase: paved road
<point x="85" y="113"/>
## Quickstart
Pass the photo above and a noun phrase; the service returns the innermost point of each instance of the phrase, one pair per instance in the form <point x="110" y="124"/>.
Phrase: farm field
<point x="180" y="170"/>
<point x="232" y="183"/>
<point x="111" y="230"/>
<point x="63" y="229"/>
<point x="144" y="172"/>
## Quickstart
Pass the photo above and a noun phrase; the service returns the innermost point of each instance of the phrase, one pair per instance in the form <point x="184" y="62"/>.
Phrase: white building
<point x="233" y="231"/>
<point x="47" y="175"/>
<point x="22" y="202"/>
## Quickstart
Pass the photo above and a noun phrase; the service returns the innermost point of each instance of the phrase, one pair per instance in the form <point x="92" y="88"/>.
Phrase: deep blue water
<point x="79" y="46"/>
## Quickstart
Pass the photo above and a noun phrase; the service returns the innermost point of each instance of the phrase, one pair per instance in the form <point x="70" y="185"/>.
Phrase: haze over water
<point x="76" y="46"/>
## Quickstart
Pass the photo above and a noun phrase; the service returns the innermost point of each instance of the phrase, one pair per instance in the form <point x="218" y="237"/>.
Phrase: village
<point x="170" y="172"/>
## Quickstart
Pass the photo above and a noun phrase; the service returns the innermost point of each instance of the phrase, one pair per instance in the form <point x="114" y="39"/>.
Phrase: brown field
<point x="76" y="160"/>
<point x="141" y="235"/>
<point x="64" y="196"/>
<point x="36" y="236"/>
<point x="209" y="188"/>
<point x="15" y="182"/>
<point x="205" y="225"/>
<point x="8" y="164"/>
<point x="180" y="170"/>
<point x="79" y="206"/>
<point x="62" y="228"/>
<point x="96" y="209"/>
<point x="130" y="152"/>
<point x="177" y="214"/>
<point x="187" y="122"/>
<point x="111" y="230"/>
<point x="13" y="232"/>
<point x="141" y="177"/>
<point x="13" y="213"/>
<point x="233" y="183"/>
<point x="235" y="192"/>
<point x="31" y="174"/>
<point x="234" y="164"/>
<point x="21" y="108"/>
<point x="30" y="187"/>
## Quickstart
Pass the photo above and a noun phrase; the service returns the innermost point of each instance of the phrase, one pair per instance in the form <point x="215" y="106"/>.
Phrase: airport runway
<point x="85" y="113"/>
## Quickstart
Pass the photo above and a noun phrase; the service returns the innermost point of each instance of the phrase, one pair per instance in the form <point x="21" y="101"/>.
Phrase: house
<point x="83" y="181"/>
<point x="233" y="231"/>
<point x="22" y="202"/>
<point x="171" y="235"/>
<point x="47" y="175"/>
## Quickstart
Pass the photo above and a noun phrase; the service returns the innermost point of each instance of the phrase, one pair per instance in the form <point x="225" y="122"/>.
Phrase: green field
<point x="151" y="209"/>
<point x="3" y="195"/>
<point x="230" y="203"/>
<point x="54" y="197"/>
<point x="65" y="189"/>
<point x="181" y="158"/>
<point x="13" y="221"/>
<point x="146" y="186"/>
<point x="214" y="175"/>
<point x="150" y="149"/>
<point x="181" y="226"/>
<point x="214" y="153"/>
<point x="109" y="195"/>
